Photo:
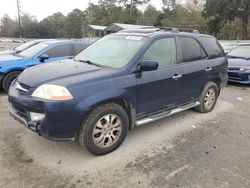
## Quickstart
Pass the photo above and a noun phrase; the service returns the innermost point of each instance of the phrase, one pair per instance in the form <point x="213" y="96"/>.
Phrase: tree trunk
<point x="245" y="19"/>
<point x="244" y="24"/>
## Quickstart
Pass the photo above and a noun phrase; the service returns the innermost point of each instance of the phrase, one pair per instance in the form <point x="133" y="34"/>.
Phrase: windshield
<point x="32" y="51"/>
<point x="240" y="51"/>
<point x="112" y="51"/>
<point x="25" y="46"/>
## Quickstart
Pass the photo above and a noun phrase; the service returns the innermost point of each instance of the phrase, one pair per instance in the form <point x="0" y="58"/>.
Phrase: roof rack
<point x="158" y="29"/>
<point x="176" y="30"/>
<point x="143" y="30"/>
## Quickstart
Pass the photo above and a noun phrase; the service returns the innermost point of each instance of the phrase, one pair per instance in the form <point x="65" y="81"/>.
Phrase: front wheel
<point x="8" y="79"/>
<point x="104" y="129"/>
<point x="208" y="98"/>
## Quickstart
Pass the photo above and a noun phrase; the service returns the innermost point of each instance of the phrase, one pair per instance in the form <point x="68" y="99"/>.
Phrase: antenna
<point x="131" y="7"/>
<point x="19" y="18"/>
<point x="90" y="2"/>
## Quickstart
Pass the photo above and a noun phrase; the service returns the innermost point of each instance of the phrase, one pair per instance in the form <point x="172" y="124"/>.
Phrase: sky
<point x="43" y="8"/>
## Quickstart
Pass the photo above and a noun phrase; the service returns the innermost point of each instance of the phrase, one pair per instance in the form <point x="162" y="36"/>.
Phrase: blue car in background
<point x="239" y="64"/>
<point x="54" y="50"/>
<point x="22" y="47"/>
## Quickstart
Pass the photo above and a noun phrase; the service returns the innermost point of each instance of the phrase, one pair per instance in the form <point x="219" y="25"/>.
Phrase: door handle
<point x="176" y="76"/>
<point x="208" y="69"/>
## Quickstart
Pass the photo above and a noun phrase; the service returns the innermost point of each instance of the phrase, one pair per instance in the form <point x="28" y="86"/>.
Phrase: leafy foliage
<point x="220" y="12"/>
<point x="227" y="19"/>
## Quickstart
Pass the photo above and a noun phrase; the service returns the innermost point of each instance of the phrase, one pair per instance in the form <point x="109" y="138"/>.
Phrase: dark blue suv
<point x="121" y="81"/>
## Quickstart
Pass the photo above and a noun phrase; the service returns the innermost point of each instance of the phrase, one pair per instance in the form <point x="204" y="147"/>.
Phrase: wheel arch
<point x="124" y="103"/>
<point x="7" y="73"/>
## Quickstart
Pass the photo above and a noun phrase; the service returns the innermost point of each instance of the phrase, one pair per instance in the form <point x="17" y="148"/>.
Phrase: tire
<point x="100" y="132"/>
<point x="208" y="98"/>
<point x="8" y="79"/>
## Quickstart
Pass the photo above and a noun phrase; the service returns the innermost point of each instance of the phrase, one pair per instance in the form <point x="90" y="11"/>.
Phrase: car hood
<point x="7" y="52"/>
<point x="67" y="73"/>
<point x="4" y="58"/>
<point x="238" y="62"/>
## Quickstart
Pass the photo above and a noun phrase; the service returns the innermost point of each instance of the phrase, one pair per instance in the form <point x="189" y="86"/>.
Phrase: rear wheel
<point x="104" y="129"/>
<point x="208" y="98"/>
<point x="8" y="79"/>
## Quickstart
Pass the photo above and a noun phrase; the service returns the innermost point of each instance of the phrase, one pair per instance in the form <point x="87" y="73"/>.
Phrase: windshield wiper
<point x="87" y="61"/>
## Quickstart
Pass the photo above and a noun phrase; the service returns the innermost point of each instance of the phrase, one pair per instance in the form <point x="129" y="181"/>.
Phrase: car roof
<point x="63" y="41"/>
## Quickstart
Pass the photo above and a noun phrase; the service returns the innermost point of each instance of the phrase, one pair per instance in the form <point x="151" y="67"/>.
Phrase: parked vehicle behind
<point x="12" y="65"/>
<point x="21" y="47"/>
<point x="121" y="81"/>
<point x="239" y="64"/>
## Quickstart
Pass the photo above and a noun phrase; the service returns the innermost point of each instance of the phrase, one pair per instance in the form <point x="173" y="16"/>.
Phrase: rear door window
<point x="191" y="50"/>
<point x="163" y="51"/>
<point x="61" y="50"/>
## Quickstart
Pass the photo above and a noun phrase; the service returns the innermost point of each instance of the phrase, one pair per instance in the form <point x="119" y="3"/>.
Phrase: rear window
<point x="191" y="50"/>
<point x="213" y="47"/>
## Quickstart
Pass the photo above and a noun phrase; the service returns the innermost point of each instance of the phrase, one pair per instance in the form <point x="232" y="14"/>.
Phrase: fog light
<point x="36" y="116"/>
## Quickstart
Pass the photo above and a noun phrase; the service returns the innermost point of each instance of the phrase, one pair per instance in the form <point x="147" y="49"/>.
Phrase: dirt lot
<point x="189" y="150"/>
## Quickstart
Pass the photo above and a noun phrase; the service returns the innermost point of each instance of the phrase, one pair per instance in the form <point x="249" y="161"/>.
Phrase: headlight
<point x="52" y="92"/>
<point x="245" y="68"/>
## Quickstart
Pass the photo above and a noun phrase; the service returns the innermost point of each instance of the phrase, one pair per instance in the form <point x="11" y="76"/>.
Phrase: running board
<point x="166" y="113"/>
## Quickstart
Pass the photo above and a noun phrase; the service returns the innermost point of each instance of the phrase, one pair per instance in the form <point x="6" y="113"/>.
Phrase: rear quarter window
<point x="213" y="47"/>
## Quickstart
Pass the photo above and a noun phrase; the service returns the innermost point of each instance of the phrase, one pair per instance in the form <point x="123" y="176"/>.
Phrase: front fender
<point x="126" y="96"/>
<point x="90" y="95"/>
<point x="101" y="97"/>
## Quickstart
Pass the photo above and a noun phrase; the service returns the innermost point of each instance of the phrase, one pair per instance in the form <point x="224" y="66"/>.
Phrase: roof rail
<point x="143" y="30"/>
<point x="176" y="30"/>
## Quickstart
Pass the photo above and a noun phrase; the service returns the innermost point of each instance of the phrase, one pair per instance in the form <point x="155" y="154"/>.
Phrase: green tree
<point x="220" y="12"/>
<point x="75" y="23"/>
<point x="149" y="16"/>
<point x="56" y="25"/>
<point x="35" y="30"/>
<point x="8" y="27"/>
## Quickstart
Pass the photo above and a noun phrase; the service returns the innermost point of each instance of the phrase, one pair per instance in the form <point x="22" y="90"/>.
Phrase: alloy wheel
<point x="107" y="130"/>
<point x="209" y="98"/>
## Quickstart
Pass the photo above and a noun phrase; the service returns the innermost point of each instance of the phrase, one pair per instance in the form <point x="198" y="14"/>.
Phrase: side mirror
<point x="148" y="65"/>
<point x="43" y="57"/>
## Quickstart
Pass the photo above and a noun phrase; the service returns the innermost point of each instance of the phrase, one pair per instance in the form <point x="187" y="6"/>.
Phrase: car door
<point x="159" y="90"/>
<point x="194" y="77"/>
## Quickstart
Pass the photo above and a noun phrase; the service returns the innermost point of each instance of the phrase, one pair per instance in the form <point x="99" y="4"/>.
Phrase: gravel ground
<point x="188" y="150"/>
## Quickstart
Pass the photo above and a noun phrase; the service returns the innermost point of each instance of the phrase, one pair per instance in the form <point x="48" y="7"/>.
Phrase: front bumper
<point x="62" y="118"/>
<point x="242" y="77"/>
